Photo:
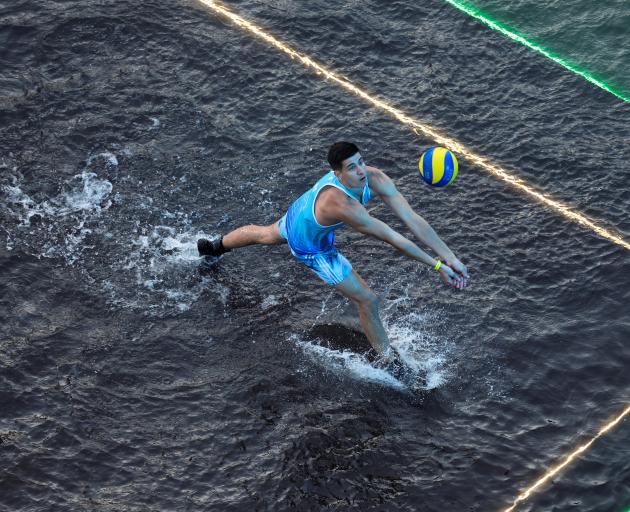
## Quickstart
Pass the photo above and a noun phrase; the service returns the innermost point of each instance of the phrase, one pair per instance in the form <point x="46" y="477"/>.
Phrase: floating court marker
<point x="566" y="461"/>
<point x="418" y="127"/>
<point x="494" y="25"/>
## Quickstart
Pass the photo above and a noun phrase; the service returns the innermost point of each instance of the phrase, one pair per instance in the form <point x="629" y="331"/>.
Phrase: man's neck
<point x="354" y="191"/>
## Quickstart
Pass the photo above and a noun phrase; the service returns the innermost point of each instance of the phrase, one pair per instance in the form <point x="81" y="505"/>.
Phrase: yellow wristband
<point x="438" y="264"/>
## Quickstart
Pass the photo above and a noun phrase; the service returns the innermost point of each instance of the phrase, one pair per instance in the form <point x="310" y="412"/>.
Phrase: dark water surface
<point x="134" y="380"/>
<point x="592" y="35"/>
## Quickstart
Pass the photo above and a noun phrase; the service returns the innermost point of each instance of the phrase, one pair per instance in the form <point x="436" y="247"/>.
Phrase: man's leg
<point x="252" y="234"/>
<point x="358" y="291"/>
<point x="245" y="235"/>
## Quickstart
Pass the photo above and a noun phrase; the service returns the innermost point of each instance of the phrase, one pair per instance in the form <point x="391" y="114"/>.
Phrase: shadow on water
<point x="342" y="338"/>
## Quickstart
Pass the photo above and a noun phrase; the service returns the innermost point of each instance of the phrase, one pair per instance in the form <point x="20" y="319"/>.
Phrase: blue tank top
<point x="304" y="234"/>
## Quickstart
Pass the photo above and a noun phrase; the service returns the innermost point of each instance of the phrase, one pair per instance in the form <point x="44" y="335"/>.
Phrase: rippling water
<point x="132" y="379"/>
<point x="592" y="35"/>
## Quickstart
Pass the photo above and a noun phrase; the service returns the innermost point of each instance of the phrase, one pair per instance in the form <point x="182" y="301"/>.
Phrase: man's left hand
<point x="459" y="268"/>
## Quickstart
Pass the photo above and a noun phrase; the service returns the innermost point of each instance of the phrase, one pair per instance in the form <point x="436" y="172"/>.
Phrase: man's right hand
<point x="458" y="267"/>
<point x="449" y="276"/>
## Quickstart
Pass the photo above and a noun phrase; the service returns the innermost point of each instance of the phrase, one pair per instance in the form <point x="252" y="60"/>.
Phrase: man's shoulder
<point x="375" y="172"/>
<point x="334" y="205"/>
<point x="334" y="195"/>
<point x="379" y="181"/>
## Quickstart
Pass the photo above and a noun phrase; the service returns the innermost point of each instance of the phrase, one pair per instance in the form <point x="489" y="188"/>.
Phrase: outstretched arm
<point x="386" y="188"/>
<point x="355" y="215"/>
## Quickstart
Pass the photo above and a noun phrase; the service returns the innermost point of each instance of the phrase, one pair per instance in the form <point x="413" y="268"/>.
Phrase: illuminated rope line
<point x="563" y="209"/>
<point x="479" y="15"/>
<point x="567" y="460"/>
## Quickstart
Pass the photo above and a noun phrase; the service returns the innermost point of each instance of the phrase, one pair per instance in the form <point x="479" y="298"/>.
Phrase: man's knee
<point x="369" y="300"/>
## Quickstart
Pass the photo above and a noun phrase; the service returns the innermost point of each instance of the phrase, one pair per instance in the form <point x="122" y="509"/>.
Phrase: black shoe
<point x="211" y="247"/>
<point x="400" y="371"/>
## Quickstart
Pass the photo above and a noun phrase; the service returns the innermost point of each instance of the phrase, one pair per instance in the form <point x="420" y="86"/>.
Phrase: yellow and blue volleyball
<point x="438" y="167"/>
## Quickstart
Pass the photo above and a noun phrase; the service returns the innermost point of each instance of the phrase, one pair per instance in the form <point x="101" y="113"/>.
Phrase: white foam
<point x="425" y="353"/>
<point x="63" y="220"/>
<point x="184" y="247"/>
<point x="347" y="363"/>
<point x="157" y="270"/>
<point x="16" y="196"/>
<point x="419" y="347"/>
<point x="164" y="262"/>
<point x="269" y="302"/>
<point x="110" y="159"/>
<point x="85" y="193"/>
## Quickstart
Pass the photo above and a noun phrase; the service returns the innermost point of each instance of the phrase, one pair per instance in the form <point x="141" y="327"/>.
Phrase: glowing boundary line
<point x="564" y="209"/>
<point x="479" y="15"/>
<point x="567" y="460"/>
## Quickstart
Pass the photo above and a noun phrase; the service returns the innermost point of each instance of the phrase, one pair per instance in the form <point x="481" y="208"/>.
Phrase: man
<point x="336" y="199"/>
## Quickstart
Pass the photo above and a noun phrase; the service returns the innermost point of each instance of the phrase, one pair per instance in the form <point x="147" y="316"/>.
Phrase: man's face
<point x="353" y="171"/>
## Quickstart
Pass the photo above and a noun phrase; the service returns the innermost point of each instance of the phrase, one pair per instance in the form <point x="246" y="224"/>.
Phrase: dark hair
<point x="339" y="151"/>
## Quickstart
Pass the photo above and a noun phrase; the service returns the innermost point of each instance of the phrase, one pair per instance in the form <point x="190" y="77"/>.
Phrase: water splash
<point x="137" y="262"/>
<point x="427" y="355"/>
<point x="58" y="226"/>
<point x="346" y="362"/>
<point x="163" y="263"/>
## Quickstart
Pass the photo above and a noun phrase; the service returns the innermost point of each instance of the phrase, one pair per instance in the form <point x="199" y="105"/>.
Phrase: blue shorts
<point x="331" y="266"/>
